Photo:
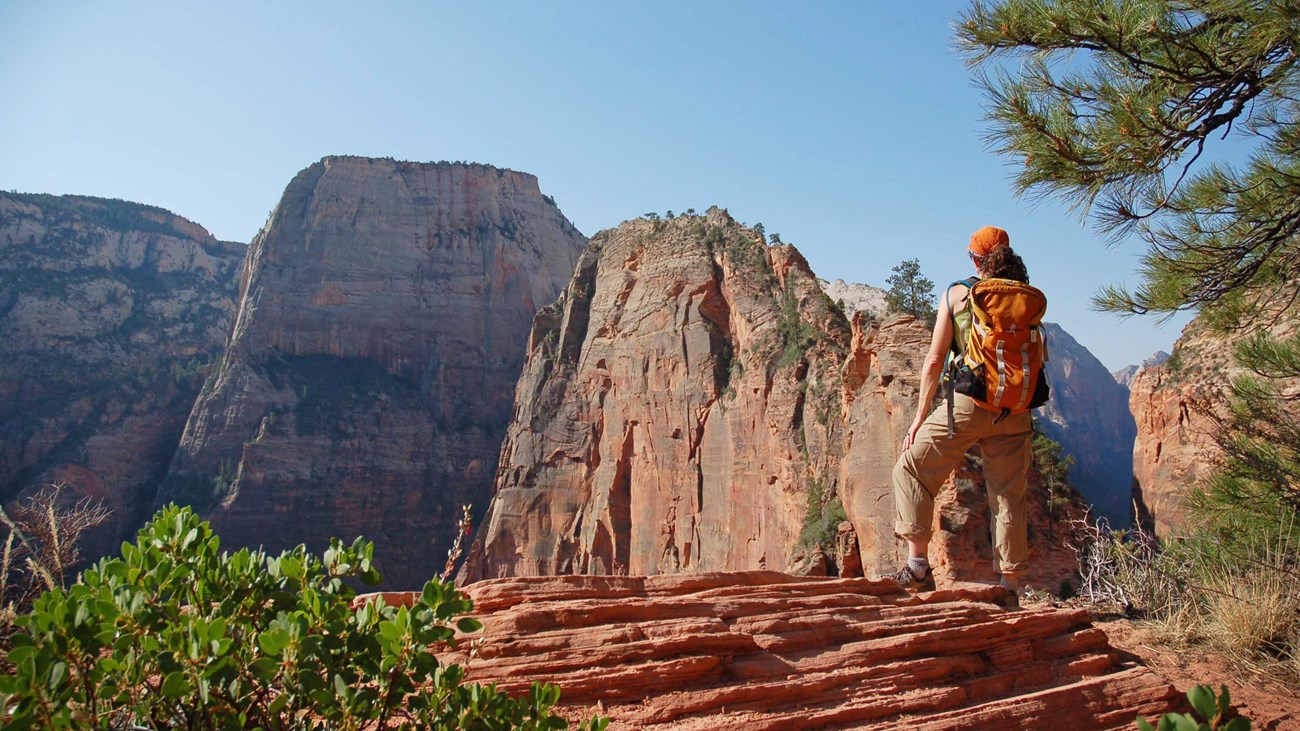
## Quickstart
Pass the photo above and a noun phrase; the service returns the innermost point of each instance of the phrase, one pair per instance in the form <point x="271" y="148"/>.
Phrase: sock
<point x="1010" y="581"/>
<point x="918" y="566"/>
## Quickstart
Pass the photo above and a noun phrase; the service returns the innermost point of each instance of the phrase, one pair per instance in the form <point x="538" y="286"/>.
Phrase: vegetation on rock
<point x="910" y="292"/>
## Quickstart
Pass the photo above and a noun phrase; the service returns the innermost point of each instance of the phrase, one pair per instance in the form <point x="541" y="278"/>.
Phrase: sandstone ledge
<point x="763" y="650"/>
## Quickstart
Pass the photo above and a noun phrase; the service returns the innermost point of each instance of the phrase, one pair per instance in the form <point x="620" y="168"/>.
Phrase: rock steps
<point x="763" y="650"/>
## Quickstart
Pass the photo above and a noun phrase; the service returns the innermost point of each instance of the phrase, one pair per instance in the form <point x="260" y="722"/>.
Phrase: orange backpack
<point x="1001" y="360"/>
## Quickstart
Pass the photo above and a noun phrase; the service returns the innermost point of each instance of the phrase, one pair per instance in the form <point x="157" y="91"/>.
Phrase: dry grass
<point x="1196" y="596"/>
<point x="40" y="548"/>
<point x="1199" y="595"/>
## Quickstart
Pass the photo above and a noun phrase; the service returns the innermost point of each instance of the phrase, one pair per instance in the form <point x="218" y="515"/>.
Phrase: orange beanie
<point x="987" y="239"/>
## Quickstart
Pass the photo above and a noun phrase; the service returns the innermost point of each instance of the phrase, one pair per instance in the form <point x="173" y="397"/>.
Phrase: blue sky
<point x="849" y="127"/>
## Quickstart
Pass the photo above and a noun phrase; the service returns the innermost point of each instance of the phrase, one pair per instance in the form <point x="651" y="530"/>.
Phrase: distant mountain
<point x="371" y="368"/>
<point x="111" y="314"/>
<point x="1089" y="415"/>
<point x="1125" y="376"/>
<point x="853" y="297"/>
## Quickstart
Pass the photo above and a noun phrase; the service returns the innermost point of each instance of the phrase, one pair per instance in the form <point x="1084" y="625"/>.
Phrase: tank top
<point x="960" y="319"/>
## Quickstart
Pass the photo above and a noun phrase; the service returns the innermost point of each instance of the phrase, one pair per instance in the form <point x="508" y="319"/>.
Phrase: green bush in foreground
<point x="175" y="634"/>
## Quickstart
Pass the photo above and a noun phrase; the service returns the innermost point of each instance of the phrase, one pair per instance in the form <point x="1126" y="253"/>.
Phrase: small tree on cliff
<point x="910" y="292"/>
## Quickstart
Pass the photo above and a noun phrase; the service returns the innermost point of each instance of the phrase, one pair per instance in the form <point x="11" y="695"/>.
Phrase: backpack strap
<point x="948" y="381"/>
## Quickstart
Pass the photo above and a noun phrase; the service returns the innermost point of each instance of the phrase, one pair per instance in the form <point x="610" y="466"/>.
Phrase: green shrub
<point x="175" y="634"/>
<point x="1216" y="712"/>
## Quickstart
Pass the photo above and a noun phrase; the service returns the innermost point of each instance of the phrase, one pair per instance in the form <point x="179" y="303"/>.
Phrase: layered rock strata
<point x="677" y="409"/>
<point x="760" y="650"/>
<point x="110" y="314"/>
<point x="382" y="320"/>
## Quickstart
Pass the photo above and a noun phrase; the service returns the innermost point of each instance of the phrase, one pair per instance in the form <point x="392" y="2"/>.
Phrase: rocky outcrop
<point x="695" y="402"/>
<point x="677" y="410"/>
<point x="381" y="327"/>
<point x="111" y="313"/>
<point x="1088" y="415"/>
<point x="762" y="650"/>
<point x="1125" y="375"/>
<point x="1176" y="404"/>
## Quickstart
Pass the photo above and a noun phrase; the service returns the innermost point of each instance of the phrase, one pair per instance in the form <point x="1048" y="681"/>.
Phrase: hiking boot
<point x="1015" y="592"/>
<point x="911" y="581"/>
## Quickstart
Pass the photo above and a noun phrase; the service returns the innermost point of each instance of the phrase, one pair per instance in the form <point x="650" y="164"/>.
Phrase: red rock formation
<point x="1173" y="403"/>
<point x="676" y="406"/>
<point x="110" y="312"/>
<point x="762" y="650"/>
<point x="694" y="402"/>
<point x="380" y="332"/>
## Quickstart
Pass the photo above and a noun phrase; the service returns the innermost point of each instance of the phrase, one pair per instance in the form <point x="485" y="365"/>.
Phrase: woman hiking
<point x="930" y="454"/>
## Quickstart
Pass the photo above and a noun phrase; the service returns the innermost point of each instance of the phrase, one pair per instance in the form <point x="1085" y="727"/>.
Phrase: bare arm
<point x="932" y="368"/>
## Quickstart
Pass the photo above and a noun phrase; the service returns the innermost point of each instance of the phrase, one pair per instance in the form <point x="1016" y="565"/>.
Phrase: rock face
<point x="1125" y="375"/>
<point x="677" y="409"/>
<point x="110" y="313"/>
<point x="853" y="297"/>
<point x="381" y="327"/>
<point x="695" y="403"/>
<point x="1173" y="403"/>
<point x="1089" y="415"/>
<point x="761" y="650"/>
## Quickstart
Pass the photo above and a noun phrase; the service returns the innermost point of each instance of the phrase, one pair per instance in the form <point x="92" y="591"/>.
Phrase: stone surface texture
<point x="675" y="411"/>
<point x="110" y="314"/>
<point x="380" y="331"/>
<point x="763" y="650"/>
<point x="853" y="297"/>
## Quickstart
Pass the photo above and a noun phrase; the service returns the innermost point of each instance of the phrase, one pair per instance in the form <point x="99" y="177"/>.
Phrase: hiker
<point x="933" y="446"/>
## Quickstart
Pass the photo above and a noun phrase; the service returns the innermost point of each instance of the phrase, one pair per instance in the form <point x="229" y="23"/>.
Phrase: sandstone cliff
<point x="675" y="412"/>
<point x="1173" y="403"/>
<point x="1089" y="415"/>
<point x="109" y="314"/>
<point x="695" y="402"/>
<point x="367" y="385"/>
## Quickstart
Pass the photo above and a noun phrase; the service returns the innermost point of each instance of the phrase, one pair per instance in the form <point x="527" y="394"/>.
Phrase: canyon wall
<point x="1175" y="403"/>
<point x="111" y="313"/>
<point x="674" y="411"/>
<point x="380" y="332"/>
<point x="1089" y="415"/>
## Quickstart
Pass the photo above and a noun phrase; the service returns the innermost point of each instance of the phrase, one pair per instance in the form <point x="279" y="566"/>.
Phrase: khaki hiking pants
<point x="926" y="465"/>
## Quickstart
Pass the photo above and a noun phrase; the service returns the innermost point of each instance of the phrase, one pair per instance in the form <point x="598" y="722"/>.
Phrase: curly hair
<point x="1003" y="263"/>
